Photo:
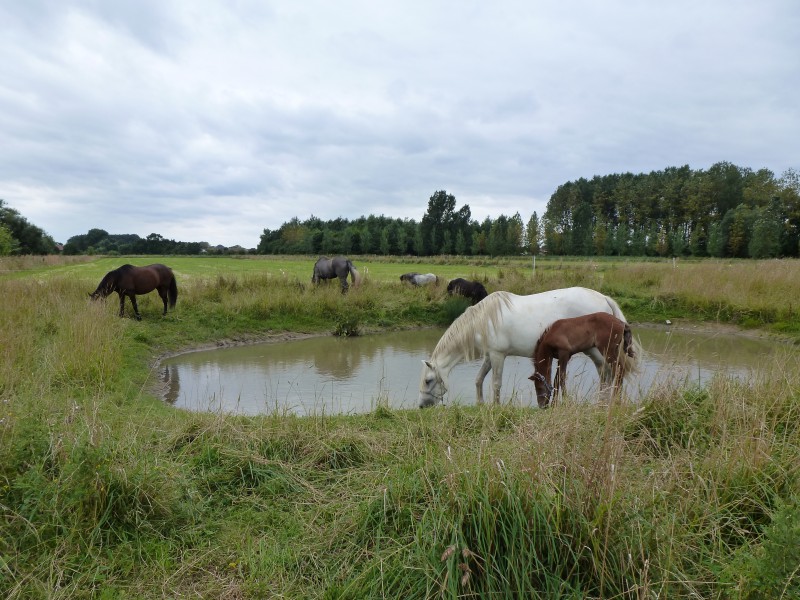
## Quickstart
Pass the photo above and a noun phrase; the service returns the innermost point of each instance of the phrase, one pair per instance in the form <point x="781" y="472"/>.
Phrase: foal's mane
<point x="476" y="319"/>
<point x="541" y="337"/>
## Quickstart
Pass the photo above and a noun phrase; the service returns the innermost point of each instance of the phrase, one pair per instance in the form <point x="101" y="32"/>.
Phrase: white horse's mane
<point x="476" y="319"/>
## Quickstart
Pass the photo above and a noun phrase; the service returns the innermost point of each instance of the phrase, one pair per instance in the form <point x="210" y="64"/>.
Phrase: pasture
<point x="105" y="492"/>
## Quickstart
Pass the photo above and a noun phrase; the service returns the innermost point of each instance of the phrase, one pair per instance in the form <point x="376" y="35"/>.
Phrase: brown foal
<point x="565" y="337"/>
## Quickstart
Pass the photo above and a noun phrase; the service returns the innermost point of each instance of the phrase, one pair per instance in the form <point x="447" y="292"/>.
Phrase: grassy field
<point x="106" y="492"/>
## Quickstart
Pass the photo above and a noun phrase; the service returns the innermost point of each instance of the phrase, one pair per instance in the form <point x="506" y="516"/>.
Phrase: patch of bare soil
<point x="242" y="340"/>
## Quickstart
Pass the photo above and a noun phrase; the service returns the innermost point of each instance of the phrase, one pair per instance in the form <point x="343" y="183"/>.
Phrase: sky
<point x="212" y="121"/>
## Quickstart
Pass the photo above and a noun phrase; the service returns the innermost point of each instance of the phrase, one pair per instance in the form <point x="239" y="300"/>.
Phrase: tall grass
<point x="748" y="293"/>
<point x="105" y="492"/>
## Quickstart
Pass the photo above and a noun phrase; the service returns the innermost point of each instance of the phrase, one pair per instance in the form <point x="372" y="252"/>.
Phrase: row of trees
<point x="442" y="230"/>
<point x="99" y="241"/>
<point x="725" y="211"/>
<point x="18" y="236"/>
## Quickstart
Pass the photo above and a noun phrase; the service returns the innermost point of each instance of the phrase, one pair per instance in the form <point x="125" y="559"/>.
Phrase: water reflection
<point x="351" y="375"/>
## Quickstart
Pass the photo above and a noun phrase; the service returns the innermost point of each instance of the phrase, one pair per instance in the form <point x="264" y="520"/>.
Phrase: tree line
<point x="724" y="211"/>
<point x="99" y="241"/>
<point x="442" y="230"/>
<point x="18" y="236"/>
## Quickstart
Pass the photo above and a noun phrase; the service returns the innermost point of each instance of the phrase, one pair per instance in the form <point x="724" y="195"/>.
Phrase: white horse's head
<point x="432" y="386"/>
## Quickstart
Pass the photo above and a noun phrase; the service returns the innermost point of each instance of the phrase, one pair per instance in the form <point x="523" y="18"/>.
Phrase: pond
<point x="332" y="375"/>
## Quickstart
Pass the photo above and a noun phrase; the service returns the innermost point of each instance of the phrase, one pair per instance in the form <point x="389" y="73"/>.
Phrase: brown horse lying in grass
<point x="566" y="337"/>
<point x="131" y="281"/>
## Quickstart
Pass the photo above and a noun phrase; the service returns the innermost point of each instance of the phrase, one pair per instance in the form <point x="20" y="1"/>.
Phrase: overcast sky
<point x="211" y="121"/>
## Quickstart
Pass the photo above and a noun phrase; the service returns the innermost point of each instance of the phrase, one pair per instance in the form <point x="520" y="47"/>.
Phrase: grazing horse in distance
<point x="473" y="290"/>
<point x="419" y="278"/>
<point x="566" y="337"/>
<point x="339" y="266"/>
<point x="133" y="281"/>
<point x="505" y="324"/>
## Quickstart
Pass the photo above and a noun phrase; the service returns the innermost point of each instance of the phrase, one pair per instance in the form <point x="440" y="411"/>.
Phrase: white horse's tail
<point x="354" y="274"/>
<point x="633" y="356"/>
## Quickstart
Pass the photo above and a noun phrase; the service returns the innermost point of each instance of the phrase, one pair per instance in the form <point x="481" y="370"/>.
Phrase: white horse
<point x="505" y="324"/>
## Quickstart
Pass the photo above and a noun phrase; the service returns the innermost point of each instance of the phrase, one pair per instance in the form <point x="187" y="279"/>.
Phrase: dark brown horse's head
<point x="106" y="286"/>
<point x="99" y="294"/>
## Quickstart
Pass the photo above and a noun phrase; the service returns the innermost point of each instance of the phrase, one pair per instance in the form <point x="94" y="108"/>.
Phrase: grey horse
<point x="339" y="266"/>
<point x="419" y="279"/>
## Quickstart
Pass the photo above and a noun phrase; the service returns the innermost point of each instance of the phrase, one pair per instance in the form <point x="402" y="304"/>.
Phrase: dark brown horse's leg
<point x="163" y="293"/>
<point x="121" y="304"/>
<point x="135" y="308"/>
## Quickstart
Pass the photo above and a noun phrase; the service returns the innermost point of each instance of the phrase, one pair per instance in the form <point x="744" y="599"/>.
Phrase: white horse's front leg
<point x="497" y="375"/>
<point x="485" y="366"/>
<point x="603" y="370"/>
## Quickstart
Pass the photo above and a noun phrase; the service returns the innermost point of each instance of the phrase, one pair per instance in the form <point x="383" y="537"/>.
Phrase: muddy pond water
<point x="331" y="375"/>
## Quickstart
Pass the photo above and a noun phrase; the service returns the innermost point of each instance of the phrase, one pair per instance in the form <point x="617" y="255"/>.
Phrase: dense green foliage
<point x="99" y="241"/>
<point x="106" y="492"/>
<point x="726" y="211"/>
<point x="18" y="236"/>
<point x="723" y="212"/>
<point x="442" y="230"/>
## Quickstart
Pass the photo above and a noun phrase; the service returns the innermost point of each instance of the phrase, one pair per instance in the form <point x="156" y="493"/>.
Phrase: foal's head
<point x="543" y="389"/>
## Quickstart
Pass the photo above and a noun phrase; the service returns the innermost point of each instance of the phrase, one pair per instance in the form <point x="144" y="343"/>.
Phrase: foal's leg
<point x="560" y="385"/>
<point x="486" y="365"/>
<point x="619" y="373"/>
<point x="600" y="363"/>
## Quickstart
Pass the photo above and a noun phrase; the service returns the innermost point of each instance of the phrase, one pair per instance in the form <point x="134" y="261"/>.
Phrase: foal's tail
<point x="173" y="292"/>
<point x="631" y="348"/>
<point x="631" y="352"/>
<point x="354" y="274"/>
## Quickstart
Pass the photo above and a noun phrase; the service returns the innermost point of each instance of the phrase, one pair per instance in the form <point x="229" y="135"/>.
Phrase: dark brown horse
<point x="131" y="281"/>
<point x="473" y="290"/>
<point x="566" y="337"/>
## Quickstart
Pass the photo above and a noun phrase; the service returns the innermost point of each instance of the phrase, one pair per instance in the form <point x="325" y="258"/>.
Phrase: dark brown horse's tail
<point x="173" y="292"/>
